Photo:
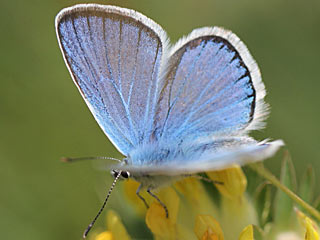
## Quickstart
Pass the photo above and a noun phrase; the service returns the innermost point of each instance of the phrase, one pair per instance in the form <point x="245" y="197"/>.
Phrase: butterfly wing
<point x="212" y="96"/>
<point x="211" y="156"/>
<point x="114" y="57"/>
<point x="213" y="87"/>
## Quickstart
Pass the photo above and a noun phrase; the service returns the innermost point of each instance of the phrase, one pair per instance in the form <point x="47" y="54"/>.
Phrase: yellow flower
<point x="311" y="233"/>
<point x="130" y="187"/>
<point x="192" y="188"/>
<point x="115" y="229"/>
<point x="104" y="236"/>
<point x="190" y="207"/>
<point x="236" y="210"/>
<point x="164" y="228"/>
<point x="197" y="197"/>
<point x="161" y="226"/>
<point x="311" y="228"/>
<point x="247" y="233"/>
<point x="207" y="228"/>
<point x="233" y="179"/>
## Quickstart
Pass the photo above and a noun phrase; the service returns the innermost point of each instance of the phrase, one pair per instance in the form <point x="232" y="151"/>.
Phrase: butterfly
<point x="171" y="110"/>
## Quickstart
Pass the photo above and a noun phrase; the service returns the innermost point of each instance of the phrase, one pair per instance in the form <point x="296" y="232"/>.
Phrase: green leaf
<point x="258" y="233"/>
<point x="262" y="199"/>
<point x="283" y="203"/>
<point x="316" y="203"/>
<point x="306" y="186"/>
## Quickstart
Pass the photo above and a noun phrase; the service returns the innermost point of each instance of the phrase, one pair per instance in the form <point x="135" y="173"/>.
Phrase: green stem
<point x="261" y="170"/>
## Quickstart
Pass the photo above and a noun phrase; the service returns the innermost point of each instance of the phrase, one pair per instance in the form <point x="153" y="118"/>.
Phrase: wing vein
<point x="221" y="110"/>
<point x="181" y="89"/>
<point x="106" y="60"/>
<point x="155" y="93"/>
<point x="91" y="72"/>
<point x="106" y="50"/>
<point x="135" y="69"/>
<point x="91" y="69"/>
<point x="119" y="56"/>
<point x="204" y="105"/>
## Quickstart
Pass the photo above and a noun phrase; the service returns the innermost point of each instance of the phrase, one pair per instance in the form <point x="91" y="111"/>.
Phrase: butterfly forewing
<point x="114" y="57"/>
<point x="210" y="89"/>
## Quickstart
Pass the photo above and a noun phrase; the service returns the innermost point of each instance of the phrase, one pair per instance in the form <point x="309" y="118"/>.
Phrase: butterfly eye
<point x="125" y="174"/>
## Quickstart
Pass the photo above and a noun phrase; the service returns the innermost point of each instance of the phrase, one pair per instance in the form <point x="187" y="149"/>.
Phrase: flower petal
<point x="233" y="179"/>
<point x="191" y="188"/>
<point x="161" y="226"/>
<point x="115" y="226"/>
<point x="236" y="210"/>
<point x="207" y="228"/>
<point x="104" y="236"/>
<point x="311" y="233"/>
<point x="197" y="197"/>
<point x="247" y="233"/>
<point x="309" y="225"/>
<point x="130" y="187"/>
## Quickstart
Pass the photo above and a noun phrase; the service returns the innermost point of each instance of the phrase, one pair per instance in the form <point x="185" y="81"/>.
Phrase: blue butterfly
<point x="172" y="111"/>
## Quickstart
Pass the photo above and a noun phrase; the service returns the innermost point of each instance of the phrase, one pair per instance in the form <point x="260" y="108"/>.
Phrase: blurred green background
<point x="43" y="116"/>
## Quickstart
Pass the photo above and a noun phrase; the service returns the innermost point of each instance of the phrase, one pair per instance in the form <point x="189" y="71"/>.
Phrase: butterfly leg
<point x="161" y="203"/>
<point x="143" y="200"/>
<point x="205" y="179"/>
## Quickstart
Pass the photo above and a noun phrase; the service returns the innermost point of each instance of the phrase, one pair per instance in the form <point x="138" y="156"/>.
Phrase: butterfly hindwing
<point x="210" y="156"/>
<point x="213" y="87"/>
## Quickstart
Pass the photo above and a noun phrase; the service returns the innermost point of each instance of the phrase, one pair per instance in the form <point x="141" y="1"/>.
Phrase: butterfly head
<point x="123" y="174"/>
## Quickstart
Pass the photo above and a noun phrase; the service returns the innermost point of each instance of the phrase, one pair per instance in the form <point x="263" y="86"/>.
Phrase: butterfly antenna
<point x="85" y="234"/>
<point x="69" y="159"/>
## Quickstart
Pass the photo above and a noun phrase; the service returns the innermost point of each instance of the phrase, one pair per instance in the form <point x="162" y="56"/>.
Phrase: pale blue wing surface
<point x="210" y="90"/>
<point x="199" y="157"/>
<point x="114" y="56"/>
